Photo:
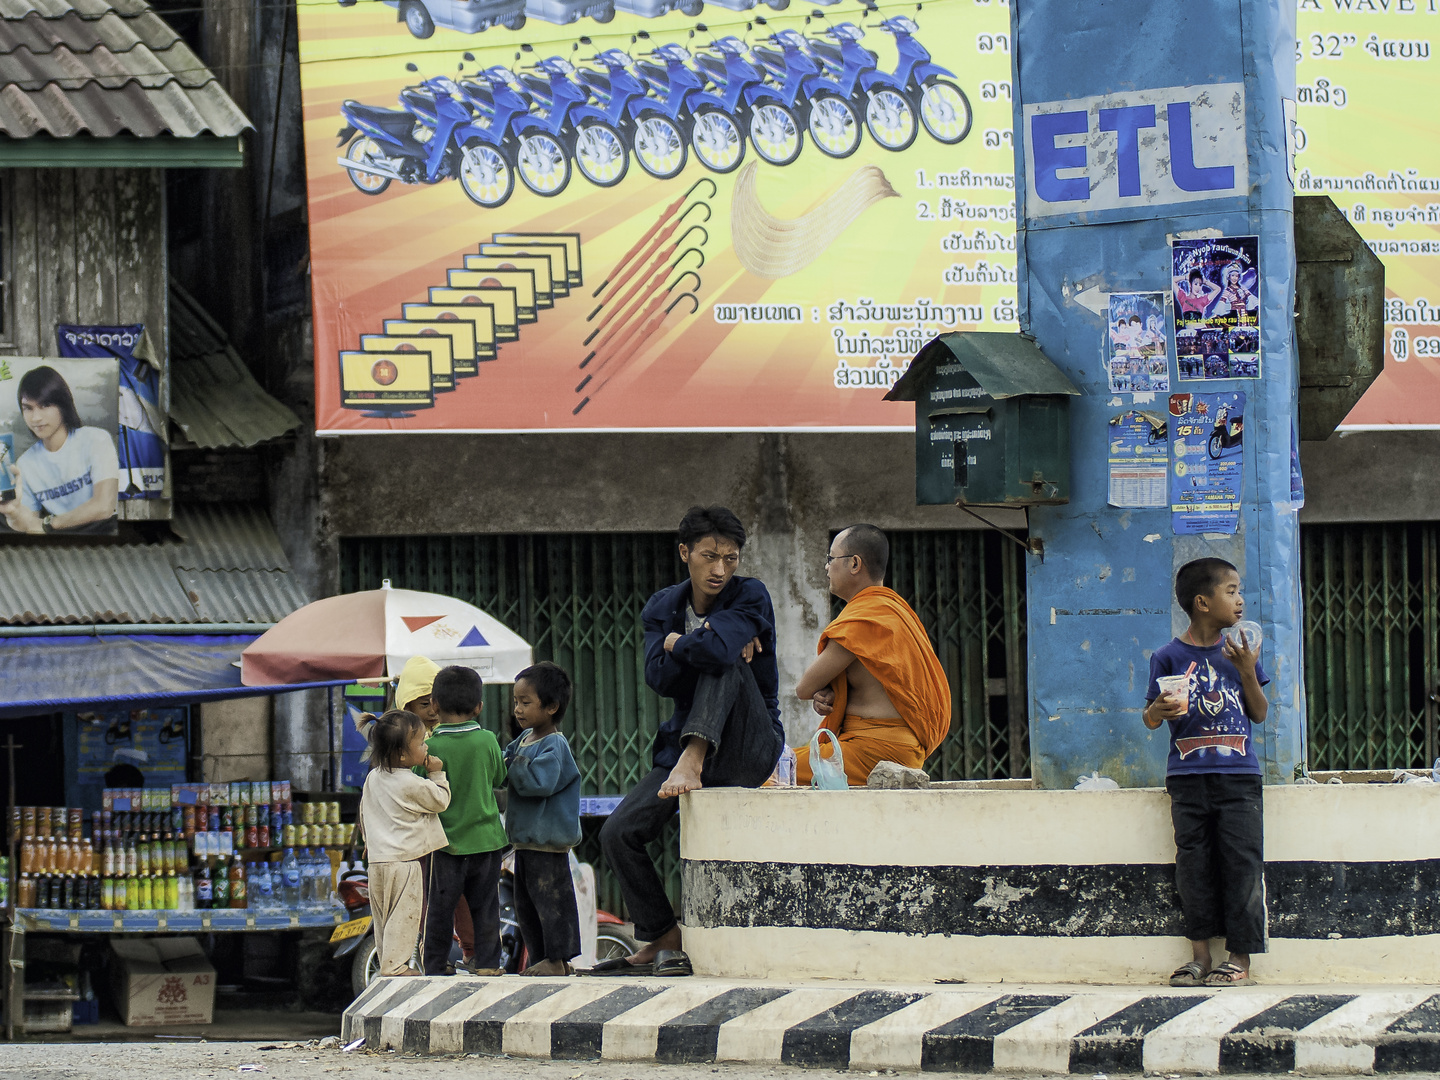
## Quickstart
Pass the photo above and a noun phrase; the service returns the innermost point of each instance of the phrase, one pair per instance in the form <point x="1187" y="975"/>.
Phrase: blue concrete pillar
<point x="1136" y="123"/>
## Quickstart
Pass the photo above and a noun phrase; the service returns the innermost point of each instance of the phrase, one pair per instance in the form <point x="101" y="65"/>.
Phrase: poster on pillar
<point x="1207" y="452"/>
<point x="62" y="472"/>
<point x="1217" y="308"/>
<point x="540" y="215"/>
<point x="1139" y="455"/>
<point x="1135" y="344"/>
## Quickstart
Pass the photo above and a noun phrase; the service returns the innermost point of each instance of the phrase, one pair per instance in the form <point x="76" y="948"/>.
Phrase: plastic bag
<point x="1096" y="782"/>
<point x="827" y="773"/>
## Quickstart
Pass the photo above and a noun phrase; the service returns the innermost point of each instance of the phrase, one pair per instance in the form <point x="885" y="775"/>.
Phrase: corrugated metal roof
<point x="104" y="68"/>
<point x="229" y="568"/>
<point x="213" y="397"/>
<point x="227" y="536"/>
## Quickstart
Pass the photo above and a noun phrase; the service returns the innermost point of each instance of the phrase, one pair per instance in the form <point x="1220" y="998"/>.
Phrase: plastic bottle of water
<point x="290" y="880"/>
<point x="262" y="890"/>
<point x="311" y="898"/>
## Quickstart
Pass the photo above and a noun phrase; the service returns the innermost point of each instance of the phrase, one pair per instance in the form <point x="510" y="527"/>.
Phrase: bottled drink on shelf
<point x="220" y="887"/>
<point x="238" y="892"/>
<point x="290" y="880"/>
<point x="204" y="887"/>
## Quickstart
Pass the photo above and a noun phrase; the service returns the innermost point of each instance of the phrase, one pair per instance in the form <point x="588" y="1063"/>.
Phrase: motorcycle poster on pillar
<point x="1207" y="453"/>
<point x="533" y="215"/>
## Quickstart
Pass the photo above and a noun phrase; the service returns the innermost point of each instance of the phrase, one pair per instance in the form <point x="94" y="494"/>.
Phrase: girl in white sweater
<point x="399" y="809"/>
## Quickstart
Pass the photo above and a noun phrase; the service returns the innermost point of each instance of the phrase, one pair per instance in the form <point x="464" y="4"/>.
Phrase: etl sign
<point x="1141" y="149"/>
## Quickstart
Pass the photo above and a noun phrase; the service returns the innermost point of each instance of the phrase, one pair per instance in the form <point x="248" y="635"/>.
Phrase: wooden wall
<point x="87" y="246"/>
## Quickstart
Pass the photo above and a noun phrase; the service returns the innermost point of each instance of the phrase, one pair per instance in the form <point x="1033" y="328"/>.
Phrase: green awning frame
<point x="1005" y="365"/>
<point x="43" y="151"/>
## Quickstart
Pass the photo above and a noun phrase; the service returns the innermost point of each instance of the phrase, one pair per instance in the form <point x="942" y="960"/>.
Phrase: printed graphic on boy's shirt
<point x="1224" y="727"/>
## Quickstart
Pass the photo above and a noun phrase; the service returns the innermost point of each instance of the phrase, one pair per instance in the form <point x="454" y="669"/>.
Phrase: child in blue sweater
<point x="542" y="816"/>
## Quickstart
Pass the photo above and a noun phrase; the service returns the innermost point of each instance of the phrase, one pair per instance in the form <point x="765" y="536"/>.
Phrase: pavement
<point x="949" y="1027"/>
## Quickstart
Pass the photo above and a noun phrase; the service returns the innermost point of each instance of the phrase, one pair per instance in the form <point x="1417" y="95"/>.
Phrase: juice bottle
<point x="132" y="893"/>
<point x="26" y="890"/>
<point x="238" y="890"/>
<point x="172" y="891"/>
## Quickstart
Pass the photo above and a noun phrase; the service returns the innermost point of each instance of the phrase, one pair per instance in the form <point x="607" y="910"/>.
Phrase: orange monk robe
<point x="880" y="628"/>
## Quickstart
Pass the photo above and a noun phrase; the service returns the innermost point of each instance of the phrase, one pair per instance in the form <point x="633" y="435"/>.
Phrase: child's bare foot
<point x="685" y="776"/>
<point x="548" y="967"/>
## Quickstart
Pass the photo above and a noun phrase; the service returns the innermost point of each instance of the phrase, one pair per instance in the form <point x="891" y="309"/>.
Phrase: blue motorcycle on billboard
<point x="543" y="120"/>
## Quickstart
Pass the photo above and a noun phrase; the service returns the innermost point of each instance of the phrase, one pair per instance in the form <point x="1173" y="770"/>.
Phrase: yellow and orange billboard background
<point x="809" y="349"/>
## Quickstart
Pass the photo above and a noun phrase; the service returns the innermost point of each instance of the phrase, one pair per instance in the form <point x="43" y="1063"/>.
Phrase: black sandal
<point x="1191" y="974"/>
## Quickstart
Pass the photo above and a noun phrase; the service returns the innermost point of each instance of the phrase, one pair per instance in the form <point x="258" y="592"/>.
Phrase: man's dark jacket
<point x="741" y="612"/>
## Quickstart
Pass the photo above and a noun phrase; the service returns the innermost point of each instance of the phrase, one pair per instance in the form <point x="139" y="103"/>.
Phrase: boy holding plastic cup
<point x="1207" y="684"/>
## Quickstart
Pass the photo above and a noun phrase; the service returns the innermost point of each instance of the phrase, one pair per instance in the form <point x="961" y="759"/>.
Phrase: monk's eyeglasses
<point x="831" y="558"/>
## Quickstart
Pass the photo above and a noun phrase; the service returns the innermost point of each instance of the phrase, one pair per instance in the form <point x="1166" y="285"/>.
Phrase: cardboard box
<point x="162" y="981"/>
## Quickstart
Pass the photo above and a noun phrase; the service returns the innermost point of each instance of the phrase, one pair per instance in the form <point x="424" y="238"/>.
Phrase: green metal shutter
<point x="1371" y="596"/>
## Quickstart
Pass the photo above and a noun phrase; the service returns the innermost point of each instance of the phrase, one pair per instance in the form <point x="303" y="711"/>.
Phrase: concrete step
<point x="1333" y="1029"/>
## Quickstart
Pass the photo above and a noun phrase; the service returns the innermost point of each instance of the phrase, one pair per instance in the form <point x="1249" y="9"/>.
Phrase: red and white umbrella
<point x="368" y="635"/>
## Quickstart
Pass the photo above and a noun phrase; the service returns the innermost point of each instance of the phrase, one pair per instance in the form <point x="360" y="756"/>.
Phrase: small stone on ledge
<point x="889" y="775"/>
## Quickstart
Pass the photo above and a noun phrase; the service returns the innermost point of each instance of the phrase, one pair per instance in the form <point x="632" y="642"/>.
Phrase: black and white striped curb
<point x="965" y="1029"/>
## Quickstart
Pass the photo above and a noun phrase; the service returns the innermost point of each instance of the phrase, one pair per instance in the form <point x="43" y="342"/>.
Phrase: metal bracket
<point x="1034" y="546"/>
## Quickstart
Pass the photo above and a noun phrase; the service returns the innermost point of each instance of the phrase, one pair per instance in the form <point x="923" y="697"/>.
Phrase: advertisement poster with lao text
<point x="1207" y="453"/>
<point x="649" y="214"/>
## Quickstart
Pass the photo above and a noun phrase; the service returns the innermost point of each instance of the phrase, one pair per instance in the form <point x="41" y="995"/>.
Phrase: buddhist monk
<point x="877" y="681"/>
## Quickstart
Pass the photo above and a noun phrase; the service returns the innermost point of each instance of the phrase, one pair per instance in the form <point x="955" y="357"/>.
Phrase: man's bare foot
<point x="647" y="952"/>
<point x="685" y="776"/>
<point x="548" y="967"/>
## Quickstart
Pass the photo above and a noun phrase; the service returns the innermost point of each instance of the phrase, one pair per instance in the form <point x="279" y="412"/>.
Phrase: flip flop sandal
<point x="1225" y="975"/>
<point x="618" y="966"/>
<point x="672" y="962"/>
<point x="1191" y="974"/>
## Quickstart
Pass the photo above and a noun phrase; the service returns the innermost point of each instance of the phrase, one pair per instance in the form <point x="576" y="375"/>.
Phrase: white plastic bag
<point x="827" y="773"/>
<point x="1096" y="782"/>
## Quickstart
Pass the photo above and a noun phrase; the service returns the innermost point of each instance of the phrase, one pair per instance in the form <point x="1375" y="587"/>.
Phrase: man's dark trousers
<point x="730" y="715"/>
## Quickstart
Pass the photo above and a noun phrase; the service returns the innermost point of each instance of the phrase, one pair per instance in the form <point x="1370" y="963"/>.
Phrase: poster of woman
<point x="61" y="416"/>
<point x="1216" y="291"/>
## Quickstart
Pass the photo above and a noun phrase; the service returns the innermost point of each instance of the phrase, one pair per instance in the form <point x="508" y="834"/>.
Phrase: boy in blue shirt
<point x="542" y="817"/>
<point x="1213" y="775"/>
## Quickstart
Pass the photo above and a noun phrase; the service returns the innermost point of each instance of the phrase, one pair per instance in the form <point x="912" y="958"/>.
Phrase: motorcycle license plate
<point x="353" y="928"/>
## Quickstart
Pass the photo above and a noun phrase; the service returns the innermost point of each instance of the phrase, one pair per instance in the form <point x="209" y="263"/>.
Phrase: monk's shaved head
<point x="870" y="544"/>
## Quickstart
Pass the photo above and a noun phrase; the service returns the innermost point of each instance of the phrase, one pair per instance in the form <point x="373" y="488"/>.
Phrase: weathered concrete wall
<point x="1371" y="476"/>
<point x="235" y="740"/>
<point x="791" y="490"/>
<point x="1042" y="886"/>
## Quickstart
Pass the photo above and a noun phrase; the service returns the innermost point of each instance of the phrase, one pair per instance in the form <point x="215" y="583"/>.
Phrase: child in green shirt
<point x="469" y="866"/>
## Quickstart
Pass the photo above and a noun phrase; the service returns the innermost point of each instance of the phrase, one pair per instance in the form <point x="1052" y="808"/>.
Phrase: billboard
<point x="536" y="215"/>
<point x="756" y="232"/>
<point x="59" y="468"/>
<point x="1363" y="138"/>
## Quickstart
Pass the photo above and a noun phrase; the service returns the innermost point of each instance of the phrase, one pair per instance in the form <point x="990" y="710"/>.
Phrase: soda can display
<point x="252" y="836"/>
<point x="252" y="815"/>
<point x="239" y="793"/>
<point x="262" y="833"/>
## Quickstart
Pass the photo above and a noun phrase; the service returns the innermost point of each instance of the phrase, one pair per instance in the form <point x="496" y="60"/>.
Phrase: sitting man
<point x="710" y="647"/>
<point x="877" y="681"/>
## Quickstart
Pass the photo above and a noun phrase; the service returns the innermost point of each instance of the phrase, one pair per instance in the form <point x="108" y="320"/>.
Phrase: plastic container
<point x="1253" y="634"/>
<point x="1179" y="685"/>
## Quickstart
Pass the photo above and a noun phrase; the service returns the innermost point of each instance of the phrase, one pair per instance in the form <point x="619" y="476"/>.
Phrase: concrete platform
<point x="1012" y="1028"/>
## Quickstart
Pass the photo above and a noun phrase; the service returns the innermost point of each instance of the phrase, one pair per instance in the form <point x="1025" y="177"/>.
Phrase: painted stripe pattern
<point x="1306" y="900"/>
<point x="1251" y="1029"/>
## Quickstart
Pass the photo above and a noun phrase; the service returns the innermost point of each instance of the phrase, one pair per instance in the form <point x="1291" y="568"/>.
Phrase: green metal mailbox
<point x="992" y="422"/>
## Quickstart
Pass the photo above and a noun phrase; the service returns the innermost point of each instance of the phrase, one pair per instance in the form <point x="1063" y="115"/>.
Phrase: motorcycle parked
<point x="915" y="86"/>
<point x="780" y="110"/>
<point x="721" y="117"/>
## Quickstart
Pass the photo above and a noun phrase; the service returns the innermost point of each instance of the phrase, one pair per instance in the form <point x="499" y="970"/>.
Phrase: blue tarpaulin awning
<point x="124" y="671"/>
